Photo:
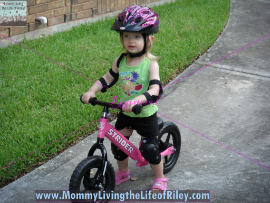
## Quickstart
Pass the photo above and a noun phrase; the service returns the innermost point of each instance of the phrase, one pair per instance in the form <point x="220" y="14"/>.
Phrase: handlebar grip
<point x="137" y="109"/>
<point x="92" y="101"/>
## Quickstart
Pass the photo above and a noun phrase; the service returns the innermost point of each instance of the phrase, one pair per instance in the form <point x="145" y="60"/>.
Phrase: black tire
<point x="90" y="167"/>
<point x="169" y="136"/>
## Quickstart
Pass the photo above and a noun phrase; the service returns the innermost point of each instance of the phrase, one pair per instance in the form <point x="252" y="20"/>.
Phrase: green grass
<point x="40" y="99"/>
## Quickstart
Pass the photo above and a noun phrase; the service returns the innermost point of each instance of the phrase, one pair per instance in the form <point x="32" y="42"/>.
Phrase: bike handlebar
<point x="136" y="109"/>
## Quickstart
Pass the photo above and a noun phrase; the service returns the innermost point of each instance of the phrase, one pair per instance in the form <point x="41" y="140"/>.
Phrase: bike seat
<point x="160" y="124"/>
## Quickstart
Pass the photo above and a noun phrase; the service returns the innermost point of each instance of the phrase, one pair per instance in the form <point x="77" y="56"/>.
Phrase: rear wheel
<point x="86" y="174"/>
<point x="169" y="136"/>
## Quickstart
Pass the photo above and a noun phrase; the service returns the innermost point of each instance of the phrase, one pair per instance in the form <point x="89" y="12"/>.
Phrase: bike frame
<point x="107" y="130"/>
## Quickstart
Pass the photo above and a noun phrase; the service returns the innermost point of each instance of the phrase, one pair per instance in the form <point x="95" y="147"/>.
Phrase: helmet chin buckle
<point x="137" y="54"/>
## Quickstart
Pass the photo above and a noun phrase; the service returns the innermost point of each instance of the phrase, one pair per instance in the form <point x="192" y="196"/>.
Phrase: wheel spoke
<point x="87" y="177"/>
<point x="97" y="173"/>
<point x="104" y="186"/>
<point x="86" y="190"/>
<point x="168" y="138"/>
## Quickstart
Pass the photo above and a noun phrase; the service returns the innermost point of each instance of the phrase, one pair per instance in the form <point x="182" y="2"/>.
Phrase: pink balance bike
<point x="96" y="173"/>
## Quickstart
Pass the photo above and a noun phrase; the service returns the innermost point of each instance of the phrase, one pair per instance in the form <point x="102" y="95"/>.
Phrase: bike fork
<point x="99" y="145"/>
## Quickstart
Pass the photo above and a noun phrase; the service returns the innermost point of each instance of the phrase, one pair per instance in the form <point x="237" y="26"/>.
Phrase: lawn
<point x="40" y="98"/>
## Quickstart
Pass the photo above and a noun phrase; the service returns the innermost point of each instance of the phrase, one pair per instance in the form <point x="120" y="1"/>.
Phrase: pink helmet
<point x="137" y="19"/>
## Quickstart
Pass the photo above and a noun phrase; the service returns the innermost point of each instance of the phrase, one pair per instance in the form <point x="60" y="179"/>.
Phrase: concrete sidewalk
<point x="220" y="110"/>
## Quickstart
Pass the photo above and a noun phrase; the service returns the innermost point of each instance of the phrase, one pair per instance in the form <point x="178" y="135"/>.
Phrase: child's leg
<point x="122" y="174"/>
<point x="160" y="180"/>
<point x="158" y="169"/>
<point x="123" y="165"/>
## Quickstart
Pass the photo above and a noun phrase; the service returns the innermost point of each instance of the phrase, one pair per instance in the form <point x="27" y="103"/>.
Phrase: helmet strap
<point x="142" y="52"/>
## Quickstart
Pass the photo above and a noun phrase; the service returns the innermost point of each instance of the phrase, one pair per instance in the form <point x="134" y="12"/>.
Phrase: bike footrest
<point x="168" y="151"/>
<point x="140" y="164"/>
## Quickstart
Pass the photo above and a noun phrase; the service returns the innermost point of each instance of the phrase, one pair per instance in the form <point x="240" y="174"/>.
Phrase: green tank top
<point x="135" y="81"/>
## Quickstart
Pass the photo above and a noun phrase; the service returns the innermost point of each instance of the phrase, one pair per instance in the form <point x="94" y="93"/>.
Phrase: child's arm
<point x="153" y="75"/>
<point x="96" y="87"/>
<point x="153" y="89"/>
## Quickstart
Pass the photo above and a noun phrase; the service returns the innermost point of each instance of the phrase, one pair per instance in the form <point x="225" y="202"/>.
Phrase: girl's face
<point x="133" y="42"/>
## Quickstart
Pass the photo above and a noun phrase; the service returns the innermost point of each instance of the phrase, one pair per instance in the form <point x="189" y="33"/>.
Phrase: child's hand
<point x="87" y="96"/>
<point x="127" y="107"/>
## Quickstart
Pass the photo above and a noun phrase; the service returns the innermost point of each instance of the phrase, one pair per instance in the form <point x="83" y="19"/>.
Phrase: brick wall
<point x="62" y="11"/>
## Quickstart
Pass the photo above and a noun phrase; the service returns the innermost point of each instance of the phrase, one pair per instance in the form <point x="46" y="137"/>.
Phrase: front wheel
<point x="169" y="136"/>
<point x="86" y="174"/>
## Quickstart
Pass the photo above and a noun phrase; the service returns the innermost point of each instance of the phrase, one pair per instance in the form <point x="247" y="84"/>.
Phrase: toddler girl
<point x="138" y="71"/>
